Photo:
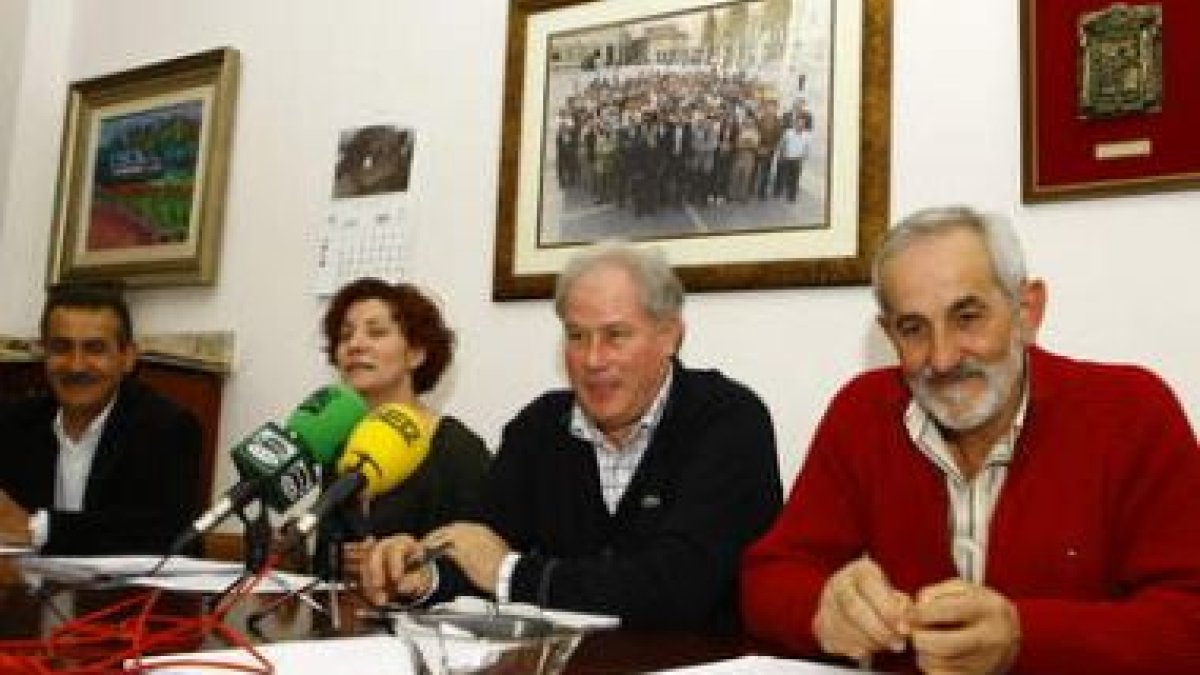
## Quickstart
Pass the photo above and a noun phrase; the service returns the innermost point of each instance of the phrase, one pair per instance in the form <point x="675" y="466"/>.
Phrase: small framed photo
<point x="142" y="176"/>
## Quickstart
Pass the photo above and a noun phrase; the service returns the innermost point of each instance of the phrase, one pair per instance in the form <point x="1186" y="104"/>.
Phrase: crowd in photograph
<point x="660" y="138"/>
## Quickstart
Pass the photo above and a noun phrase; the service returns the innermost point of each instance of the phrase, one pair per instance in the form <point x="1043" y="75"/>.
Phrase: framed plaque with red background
<point x="1072" y="151"/>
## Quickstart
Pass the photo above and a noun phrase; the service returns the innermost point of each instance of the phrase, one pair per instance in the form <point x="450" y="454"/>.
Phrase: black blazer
<point x="143" y="486"/>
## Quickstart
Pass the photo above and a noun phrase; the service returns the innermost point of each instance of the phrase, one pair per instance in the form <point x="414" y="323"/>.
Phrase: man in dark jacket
<point x="633" y="493"/>
<point x="104" y="464"/>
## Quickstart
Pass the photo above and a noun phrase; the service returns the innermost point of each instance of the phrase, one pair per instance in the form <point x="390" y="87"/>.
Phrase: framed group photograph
<point x="142" y="175"/>
<point x="1109" y="102"/>
<point x="748" y="139"/>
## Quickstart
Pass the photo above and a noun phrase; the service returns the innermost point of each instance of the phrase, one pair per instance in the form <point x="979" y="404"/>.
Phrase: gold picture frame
<point x="557" y="46"/>
<point x="143" y="172"/>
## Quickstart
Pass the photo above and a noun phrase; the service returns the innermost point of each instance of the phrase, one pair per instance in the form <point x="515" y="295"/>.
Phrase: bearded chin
<point x="953" y="409"/>
<point x="952" y="406"/>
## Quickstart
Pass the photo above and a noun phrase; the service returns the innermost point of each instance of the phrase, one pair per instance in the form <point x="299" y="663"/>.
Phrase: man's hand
<point x="389" y="568"/>
<point x="860" y="613"/>
<point x="354" y="556"/>
<point x="960" y="628"/>
<point x="476" y="549"/>
<point x="14" y="522"/>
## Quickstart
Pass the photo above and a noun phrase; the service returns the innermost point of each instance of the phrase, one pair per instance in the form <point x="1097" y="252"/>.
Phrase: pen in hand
<point x="381" y="583"/>
<point x="430" y="555"/>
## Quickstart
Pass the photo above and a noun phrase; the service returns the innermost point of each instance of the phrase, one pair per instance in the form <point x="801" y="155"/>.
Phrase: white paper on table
<point x="581" y="620"/>
<point x="373" y="654"/>
<point x="123" y="565"/>
<point x="180" y="574"/>
<point x="762" y="665"/>
<point x="578" y="620"/>
<point x="275" y="582"/>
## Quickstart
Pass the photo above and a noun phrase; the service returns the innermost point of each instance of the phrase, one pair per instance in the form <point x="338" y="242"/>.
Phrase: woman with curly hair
<point x="390" y="344"/>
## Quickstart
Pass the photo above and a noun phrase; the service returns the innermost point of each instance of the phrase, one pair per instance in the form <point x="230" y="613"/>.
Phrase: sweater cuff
<point x="531" y="580"/>
<point x="1050" y="635"/>
<point x="39" y="528"/>
<point x="504" y="576"/>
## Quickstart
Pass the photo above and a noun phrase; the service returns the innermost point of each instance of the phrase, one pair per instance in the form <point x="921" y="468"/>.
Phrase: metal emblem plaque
<point x="1120" y="61"/>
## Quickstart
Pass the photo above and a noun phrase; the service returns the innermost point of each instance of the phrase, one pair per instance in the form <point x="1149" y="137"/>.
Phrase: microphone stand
<point x="327" y="565"/>
<point x="302" y="593"/>
<point x="256" y="538"/>
<point x="344" y="525"/>
<point x="259" y="543"/>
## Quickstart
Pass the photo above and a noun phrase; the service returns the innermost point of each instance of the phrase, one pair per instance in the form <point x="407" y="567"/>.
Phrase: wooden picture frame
<point x="143" y="171"/>
<point x="1109" y="105"/>
<point x="826" y="62"/>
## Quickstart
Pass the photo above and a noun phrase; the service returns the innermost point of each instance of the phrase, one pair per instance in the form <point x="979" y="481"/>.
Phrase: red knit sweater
<point x="1095" y="538"/>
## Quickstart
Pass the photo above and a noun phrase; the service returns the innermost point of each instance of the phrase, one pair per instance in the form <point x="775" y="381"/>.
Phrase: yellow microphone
<point x="386" y="447"/>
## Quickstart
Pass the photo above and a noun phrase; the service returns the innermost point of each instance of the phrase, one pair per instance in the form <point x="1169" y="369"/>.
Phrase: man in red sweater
<point x="986" y="506"/>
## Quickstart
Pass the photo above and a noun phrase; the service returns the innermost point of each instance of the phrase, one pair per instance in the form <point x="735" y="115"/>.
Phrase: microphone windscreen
<point x="324" y="420"/>
<point x="276" y="465"/>
<point x="387" y="447"/>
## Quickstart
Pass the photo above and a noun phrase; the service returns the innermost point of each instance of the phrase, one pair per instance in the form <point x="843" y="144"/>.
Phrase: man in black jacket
<point x="633" y="493"/>
<point x="104" y="465"/>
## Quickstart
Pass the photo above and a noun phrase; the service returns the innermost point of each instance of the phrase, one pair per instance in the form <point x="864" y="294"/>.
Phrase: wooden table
<point x="24" y="614"/>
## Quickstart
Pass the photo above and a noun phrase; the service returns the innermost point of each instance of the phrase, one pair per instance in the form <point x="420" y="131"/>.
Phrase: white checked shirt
<point x="972" y="502"/>
<point x="617" y="463"/>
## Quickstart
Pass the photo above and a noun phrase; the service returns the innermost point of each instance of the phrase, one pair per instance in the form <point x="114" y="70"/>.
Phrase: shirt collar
<point x="91" y="432"/>
<point x="928" y="438"/>
<point x="583" y="428"/>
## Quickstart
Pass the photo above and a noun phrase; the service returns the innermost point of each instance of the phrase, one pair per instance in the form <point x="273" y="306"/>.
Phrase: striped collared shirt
<point x="617" y="463"/>
<point x="972" y="501"/>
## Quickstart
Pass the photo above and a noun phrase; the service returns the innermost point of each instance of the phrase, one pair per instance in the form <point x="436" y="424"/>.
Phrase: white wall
<point x="13" y="17"/>
<point x="1115" y="267"/>
<point x="33" y="73"/>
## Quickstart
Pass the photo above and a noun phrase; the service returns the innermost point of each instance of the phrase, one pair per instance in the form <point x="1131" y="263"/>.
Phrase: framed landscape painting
<point x="747" y="139"/>
<point x="143" y="171"/>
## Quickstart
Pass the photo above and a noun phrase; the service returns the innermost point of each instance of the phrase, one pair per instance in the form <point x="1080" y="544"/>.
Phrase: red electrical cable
<point x="118" y="637"/>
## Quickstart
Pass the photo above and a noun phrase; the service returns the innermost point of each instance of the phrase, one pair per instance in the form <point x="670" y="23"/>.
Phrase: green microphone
<point x="280" y="461"/>
<point x="324" y="420"/>
<point x="276" y="464"/>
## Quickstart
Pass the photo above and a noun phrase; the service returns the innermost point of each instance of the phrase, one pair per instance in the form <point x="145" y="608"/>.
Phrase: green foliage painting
<point x="145" y="177"/>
